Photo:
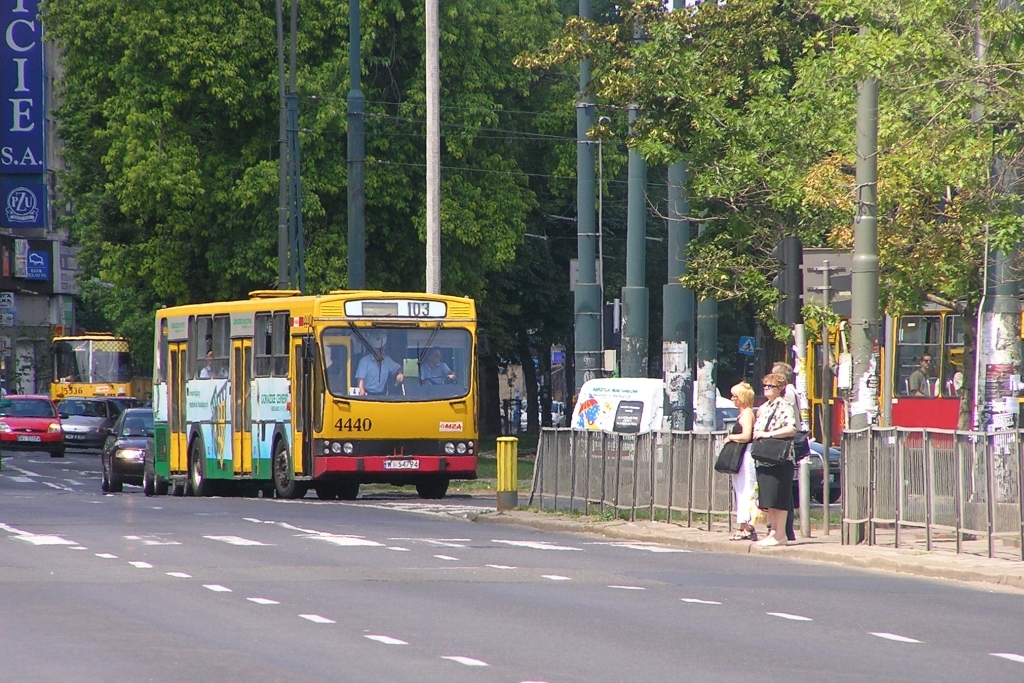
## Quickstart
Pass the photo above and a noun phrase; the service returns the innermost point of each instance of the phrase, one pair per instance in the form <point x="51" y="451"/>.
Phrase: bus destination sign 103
<point x="395" y="308"/>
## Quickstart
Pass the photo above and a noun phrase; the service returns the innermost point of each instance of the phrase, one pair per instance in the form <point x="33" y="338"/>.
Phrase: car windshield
<point x="83" y="408"/>
<point x="28" y="408"/>
<point x="138" y="423"/>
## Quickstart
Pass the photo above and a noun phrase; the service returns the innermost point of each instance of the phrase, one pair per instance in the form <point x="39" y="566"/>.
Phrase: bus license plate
<point x="30" y="438"/>
<point x="401" y="464"/>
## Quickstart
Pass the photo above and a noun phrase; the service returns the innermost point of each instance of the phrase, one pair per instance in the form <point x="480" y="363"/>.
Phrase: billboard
<point x="22" y="105"/>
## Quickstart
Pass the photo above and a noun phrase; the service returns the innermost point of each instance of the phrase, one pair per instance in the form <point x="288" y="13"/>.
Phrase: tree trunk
<point x="490" y="401"/>
<point x="530" y="383"/>
<point x="965" y="419"/>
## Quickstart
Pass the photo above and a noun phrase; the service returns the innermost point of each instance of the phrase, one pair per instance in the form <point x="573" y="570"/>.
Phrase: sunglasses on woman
<point x="770" y="386"/>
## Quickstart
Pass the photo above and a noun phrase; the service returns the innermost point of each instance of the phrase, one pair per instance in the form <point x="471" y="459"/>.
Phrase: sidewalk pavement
<point x="982" y="572"/>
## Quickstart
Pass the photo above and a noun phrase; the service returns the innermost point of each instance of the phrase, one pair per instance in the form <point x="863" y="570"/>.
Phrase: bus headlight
<point x="336" y="448"/>
<point x="348" y="448"/>
<point x="461" y="448"/>
<point x="327" y="447"/>
<point x="449" y="448"/>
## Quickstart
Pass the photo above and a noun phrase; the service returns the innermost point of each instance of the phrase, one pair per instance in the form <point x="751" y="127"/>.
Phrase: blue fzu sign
<point x="22" y="110"/>
<point x="22" y="202"/>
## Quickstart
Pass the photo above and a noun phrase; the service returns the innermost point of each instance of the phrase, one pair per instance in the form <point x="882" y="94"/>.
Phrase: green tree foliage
<point x="169" y="113"/>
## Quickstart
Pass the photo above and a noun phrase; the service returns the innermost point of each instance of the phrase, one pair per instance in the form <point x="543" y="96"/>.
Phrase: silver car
<point x="87" y="421"/>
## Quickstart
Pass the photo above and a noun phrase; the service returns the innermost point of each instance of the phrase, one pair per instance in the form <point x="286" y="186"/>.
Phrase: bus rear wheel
<point x="284" y="483"/>
<point x="326" y="491"/>
<point x="432" y="489"/>
<point x="197" y="484"/>
<point x="348" y="490"/>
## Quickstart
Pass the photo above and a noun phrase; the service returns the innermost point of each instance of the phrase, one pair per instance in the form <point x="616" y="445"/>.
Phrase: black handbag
<point x="772" y="451"/>
<point x="801" y="448"/>
<point x="730" y="458"/>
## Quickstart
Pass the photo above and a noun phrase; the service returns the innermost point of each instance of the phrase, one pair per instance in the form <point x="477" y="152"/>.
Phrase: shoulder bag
<point x="772" y="451"/>
<point x="730" y="458"/>
<point x="801" y="448"/>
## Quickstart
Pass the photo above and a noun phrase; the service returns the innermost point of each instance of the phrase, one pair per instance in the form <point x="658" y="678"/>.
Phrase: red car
<point x="30" y="423"/>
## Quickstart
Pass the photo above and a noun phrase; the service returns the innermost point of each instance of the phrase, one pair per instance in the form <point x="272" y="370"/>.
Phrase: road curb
<point x="972" y="570"/>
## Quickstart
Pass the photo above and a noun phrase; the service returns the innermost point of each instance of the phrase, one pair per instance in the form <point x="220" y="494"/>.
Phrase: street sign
<point x="38" y="265"/>
<point x="747" y="346"/>
<point x="6" y="320"/>
<point x="7" y="301"/>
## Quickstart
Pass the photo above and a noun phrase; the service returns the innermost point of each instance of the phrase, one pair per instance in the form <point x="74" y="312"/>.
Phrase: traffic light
<point x="790" y="280"/>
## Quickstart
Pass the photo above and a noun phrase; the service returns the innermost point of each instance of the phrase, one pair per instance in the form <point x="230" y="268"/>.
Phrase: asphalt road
<point x="122" y="587"/>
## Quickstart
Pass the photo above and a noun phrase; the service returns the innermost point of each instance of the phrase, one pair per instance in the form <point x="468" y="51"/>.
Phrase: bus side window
<point x="279" y="348"/>
<point x="263" y="345"/>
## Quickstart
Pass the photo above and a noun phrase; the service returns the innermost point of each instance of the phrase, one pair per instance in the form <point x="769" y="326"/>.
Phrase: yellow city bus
<point x="281" y="393"/>
<point x="91" y="364"/>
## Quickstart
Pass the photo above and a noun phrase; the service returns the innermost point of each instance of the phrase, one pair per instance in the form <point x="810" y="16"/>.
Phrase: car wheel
<point x="833" y="496"/>
<point x="178" y="490"/>
<point x="148" y="485"/>
<point x="348" y="490"/>
<point x="432" y="489"/>
<point x="57" y="454"/>
<point x="104" y="480"/>
<point x="115" y="482"/>
<point x="197" y="483"/>
<point x="160" y="486"/>
<point x="284" y="483"/>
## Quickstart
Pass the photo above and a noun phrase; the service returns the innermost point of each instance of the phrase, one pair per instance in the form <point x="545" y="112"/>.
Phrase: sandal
<point x="750" y="535"/>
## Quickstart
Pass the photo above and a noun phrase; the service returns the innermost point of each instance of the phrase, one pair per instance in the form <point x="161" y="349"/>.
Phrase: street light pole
<point x="602" y="121"/>
<point x="433" y="148"/>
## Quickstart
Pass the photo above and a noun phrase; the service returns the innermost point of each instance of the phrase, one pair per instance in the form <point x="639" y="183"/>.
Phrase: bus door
<point x="176" y="409"/>
<point x="303" y="350"/>
<point x="241" y="407"/>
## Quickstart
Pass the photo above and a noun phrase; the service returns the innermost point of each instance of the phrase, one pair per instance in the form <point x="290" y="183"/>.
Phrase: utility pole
<point x="997" y="359"/>
<point x="588" y="296"/>
<point x="635" y="298"/>
<point x="433" y="148"/>
<point x="296" y="239"/>
<point x="677" y="324"/>
<point x="282" y="178"/>
<point x="864" y="304"/>
<point x="706" y="391"/>
<point x="356" y="156"/>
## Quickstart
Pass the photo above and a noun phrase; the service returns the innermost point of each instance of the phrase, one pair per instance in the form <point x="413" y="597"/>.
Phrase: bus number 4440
<point x="356" y="425"/>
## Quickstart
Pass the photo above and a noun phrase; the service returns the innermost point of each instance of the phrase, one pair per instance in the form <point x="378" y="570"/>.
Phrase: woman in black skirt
<point x="775" y="419"/>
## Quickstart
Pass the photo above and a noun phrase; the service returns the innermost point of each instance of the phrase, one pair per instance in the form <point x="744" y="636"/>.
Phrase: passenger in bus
<point x="435" y="371"/>
<point x="336" y="370"/>
<point x="919" y="383"/>
<point x="375" y="370"/>
<point x="207" y="370"/>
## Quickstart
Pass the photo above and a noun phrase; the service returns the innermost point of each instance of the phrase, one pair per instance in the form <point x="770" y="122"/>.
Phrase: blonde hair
<point x="778" y="379"/>
<point x="745" y="393"/>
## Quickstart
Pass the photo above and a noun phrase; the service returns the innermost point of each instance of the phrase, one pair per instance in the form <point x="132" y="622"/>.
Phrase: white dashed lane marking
<point x="263" y="601"/>
<point x="234" y="540"/>
<point x="791" y="617"/>
<point x="447" y="558"/>
<point x="468" y="661"/>
<point x="77" y="547"/>
<point x="317" y="619"/>
<point x="893" y="636"/>
<point x="556" y="577"/>
<point x="698" y="601"/>
<point x="500" y="566"/>
<point x="179" y="575"/>
<point x="141" y="565"/>
<point x="22" y="480"/>
<point x="628" y="588"/>
<point x="536" y="545"/>
<point x="387" y="640"/>
<point x="398" y="548"/>
<point x="152" y="540"/>
<point x="1009" y="655"/>
<point x="216" y="588"/>
<point x="59" y="487"/>
<point x="647" y="547"/>
<point x="106" y="556"/>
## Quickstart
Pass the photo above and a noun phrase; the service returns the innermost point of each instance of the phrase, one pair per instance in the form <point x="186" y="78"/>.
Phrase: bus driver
<point x="435" y="371"/>
<point x="375" y="368"/>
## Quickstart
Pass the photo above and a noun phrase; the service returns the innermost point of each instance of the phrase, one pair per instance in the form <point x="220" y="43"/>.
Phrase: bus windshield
<point x="422" y="364"/>
<point x="92" y="360"/>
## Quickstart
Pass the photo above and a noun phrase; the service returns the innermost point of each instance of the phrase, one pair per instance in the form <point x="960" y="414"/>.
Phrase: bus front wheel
<point x="197" y="484"/>
<point x="284" y="483"/>
<point x="432" y="488"/>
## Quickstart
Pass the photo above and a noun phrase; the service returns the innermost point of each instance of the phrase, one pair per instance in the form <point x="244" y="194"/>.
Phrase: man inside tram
<point x="919" y="383"/>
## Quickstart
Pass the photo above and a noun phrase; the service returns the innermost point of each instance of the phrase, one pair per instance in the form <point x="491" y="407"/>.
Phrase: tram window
<point x="161" y="359"/>
<point x="953" y="356"/>
<point x="200" y="341"/>
<point x="271" y="344"/>
<point x="280" y="344"/>
<point x="917" y="348"/>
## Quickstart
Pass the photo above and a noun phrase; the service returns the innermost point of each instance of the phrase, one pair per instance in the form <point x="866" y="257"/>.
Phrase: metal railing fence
<point x="934" y="489"/>
<point x="665" y="476"/>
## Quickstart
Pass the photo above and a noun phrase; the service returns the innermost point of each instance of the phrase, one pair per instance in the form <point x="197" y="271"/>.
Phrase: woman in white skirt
<point x="744" y="482"/>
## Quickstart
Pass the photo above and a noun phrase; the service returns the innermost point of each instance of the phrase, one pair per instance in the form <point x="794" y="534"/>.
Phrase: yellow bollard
<point x="508" y="472"/>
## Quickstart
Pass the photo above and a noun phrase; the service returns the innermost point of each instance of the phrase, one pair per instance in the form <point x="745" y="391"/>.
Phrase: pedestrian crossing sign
<point x="747" y="346"/>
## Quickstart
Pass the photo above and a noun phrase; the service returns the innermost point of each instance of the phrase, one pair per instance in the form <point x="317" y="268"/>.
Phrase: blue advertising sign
<point x="22" y="108"/>
<point x="38" y="265"/>
<point x="22" y="202"/>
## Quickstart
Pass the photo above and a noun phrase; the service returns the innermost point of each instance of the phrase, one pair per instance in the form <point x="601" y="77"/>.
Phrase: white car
<point x="557" y="415"/>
